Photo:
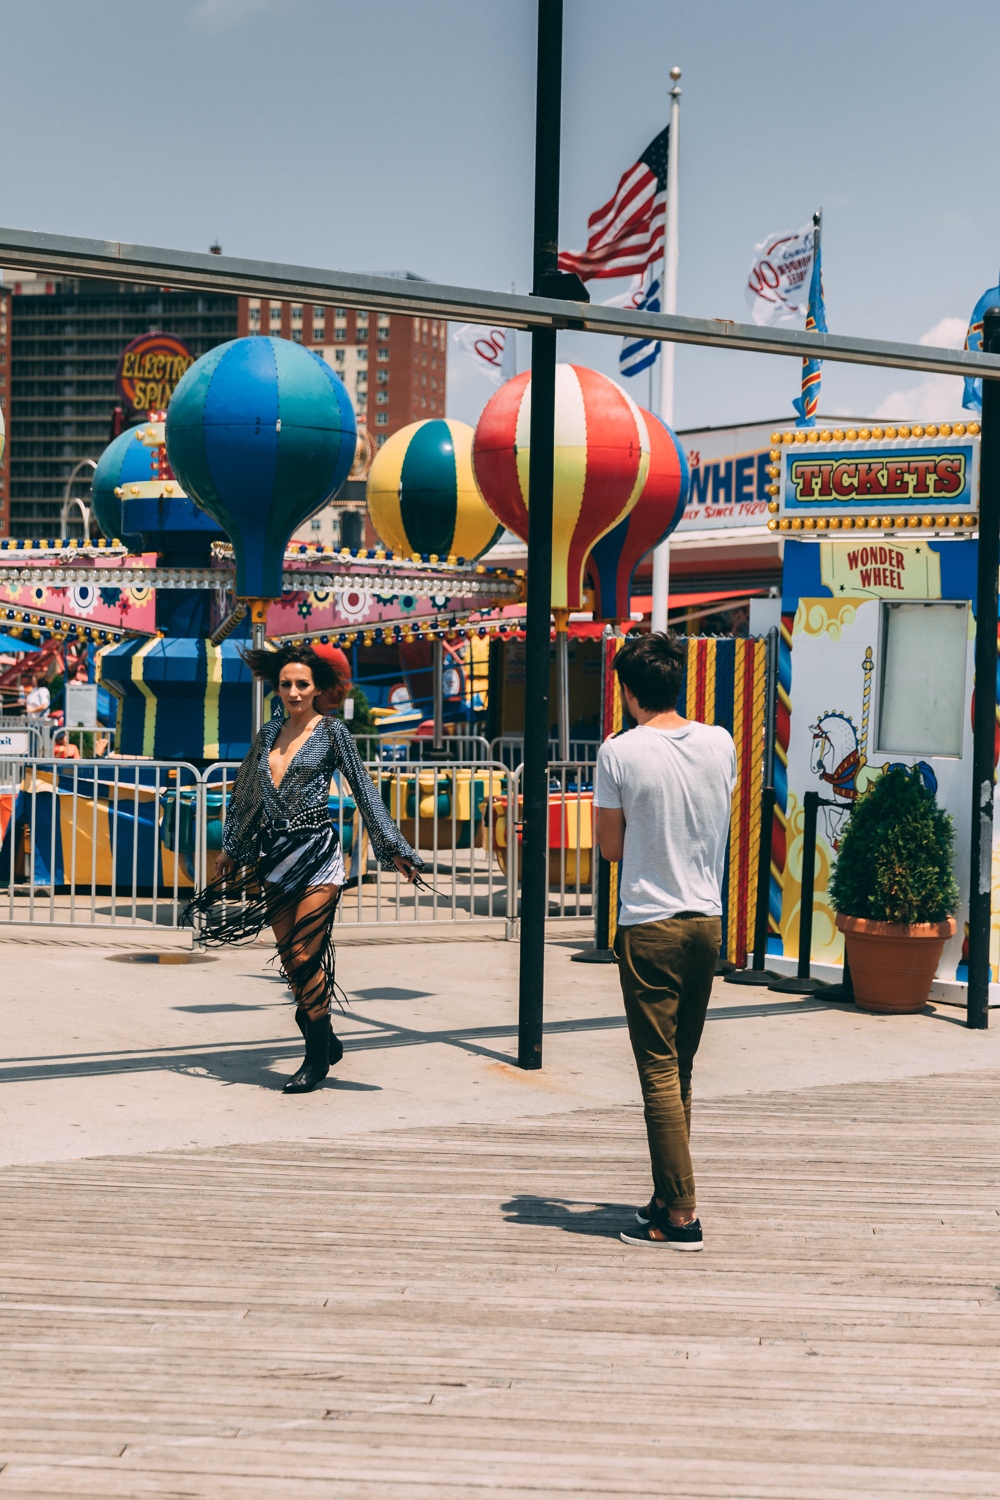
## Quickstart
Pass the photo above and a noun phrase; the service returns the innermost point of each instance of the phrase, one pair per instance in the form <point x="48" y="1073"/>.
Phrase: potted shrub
<point x="894" y="891"/>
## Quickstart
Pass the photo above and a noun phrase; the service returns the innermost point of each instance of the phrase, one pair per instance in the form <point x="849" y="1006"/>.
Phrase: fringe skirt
<point x="290" y="864"/>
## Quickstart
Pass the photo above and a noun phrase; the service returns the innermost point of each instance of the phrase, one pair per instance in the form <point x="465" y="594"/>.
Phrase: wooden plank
<point x="449" y="1311"/>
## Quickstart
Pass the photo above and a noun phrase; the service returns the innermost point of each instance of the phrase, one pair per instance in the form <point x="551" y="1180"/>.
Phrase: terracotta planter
<point x="893" y="963"/>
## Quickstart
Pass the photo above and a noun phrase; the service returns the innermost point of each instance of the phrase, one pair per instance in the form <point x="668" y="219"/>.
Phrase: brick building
<point x="59" y="346"/>
<point x="65" y="337"/>
<point x="5" y="409"/>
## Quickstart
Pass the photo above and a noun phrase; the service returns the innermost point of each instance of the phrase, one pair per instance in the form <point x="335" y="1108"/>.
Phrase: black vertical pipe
<point x="985" y="717"/>
<point x="763" y="909"/>
<point x="811" y="801"/>
<point x="534" y="851"/>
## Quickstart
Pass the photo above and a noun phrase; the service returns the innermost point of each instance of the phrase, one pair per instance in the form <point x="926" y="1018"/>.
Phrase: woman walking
<point x="281" y="862"/>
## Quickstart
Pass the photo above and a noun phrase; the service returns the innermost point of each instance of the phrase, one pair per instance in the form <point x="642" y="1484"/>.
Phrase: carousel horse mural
<point x="840" y="758"/>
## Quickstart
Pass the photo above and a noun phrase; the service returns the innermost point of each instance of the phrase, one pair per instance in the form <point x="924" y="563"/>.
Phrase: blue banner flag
<point x="972" y="396"/>
<point x="637" y="355"/>
<point x="807" y="404"/>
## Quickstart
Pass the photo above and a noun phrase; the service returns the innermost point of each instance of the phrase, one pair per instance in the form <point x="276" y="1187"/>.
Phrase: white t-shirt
<point x="38" y="700"/>
<point x="675" y="788"/>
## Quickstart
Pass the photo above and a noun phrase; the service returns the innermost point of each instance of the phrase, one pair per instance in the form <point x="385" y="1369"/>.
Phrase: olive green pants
<point x="666" y="971"/>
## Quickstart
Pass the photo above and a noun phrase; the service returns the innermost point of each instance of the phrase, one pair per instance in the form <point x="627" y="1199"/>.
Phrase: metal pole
<point x="800" y="983"/>
<point x="671" y="253"/>
<point x="258" y="628"/>
<point x="438" y="653"/>
<point x="984" y="722"/>
<point x="562" y="683"/>
<point x="534" y="857"/>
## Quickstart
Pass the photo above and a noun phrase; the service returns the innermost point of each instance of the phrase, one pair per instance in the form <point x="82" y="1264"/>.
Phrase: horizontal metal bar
<point x="112" y="260"/>
<point x="459" y="586"/>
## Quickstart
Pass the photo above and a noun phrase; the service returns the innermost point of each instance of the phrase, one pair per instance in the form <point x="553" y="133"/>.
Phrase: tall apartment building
<point x="60" y="341"/>
<point x="65" y="337"/>
<point x="5" y="409"/>
<point x="394" y="365"/>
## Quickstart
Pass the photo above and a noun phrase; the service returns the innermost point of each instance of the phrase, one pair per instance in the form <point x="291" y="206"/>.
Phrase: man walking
<point x="663" y="793"/>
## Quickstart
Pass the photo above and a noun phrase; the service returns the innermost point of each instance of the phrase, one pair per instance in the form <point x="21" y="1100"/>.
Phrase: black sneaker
<point x="675" y="1236"/>
<point x="645" y="1215"/>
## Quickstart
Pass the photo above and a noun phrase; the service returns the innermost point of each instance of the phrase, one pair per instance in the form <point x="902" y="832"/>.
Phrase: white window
<point x="297" y="310"/>
<point x="316" y="524"/>
<point x="381" y="376"/>
<point x="361" y="317"/>
<point x="383" y="354"/>
<point x="319" y="313"/>
<point x="382" y="419"/>
<point x="382" y="397"/>
<point x="340" y="355"/>
<point x="922" y="700"/>
<point x="362" y="356"/>
<point x="254" y="315"/>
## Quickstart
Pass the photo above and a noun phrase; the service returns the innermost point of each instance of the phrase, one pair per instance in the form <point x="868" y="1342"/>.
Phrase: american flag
<point x="625" y="237"/>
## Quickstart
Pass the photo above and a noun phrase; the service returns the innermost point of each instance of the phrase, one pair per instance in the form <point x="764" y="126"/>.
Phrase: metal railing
<point x="89" y="744"/>
<point x="571" y="843"/>
<point x="376" y="749"/>
<point x="445" y="810"/>
<point x="97" y="843"/>
<point x="114" y="842"/>
<point x="509" y="750"/>
<point x="39" y="734"/>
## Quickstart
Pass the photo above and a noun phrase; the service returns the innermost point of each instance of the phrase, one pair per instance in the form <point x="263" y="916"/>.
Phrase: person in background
<point x="663" y="792"/>
<point x="37" y="698"/>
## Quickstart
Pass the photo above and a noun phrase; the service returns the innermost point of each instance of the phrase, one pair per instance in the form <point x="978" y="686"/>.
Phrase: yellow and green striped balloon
<point x="422" y="494"/>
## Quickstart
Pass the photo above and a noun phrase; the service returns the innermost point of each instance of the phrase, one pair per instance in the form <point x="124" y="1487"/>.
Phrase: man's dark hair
<point x="652" y="667"/>
<point x="268" y="665"/>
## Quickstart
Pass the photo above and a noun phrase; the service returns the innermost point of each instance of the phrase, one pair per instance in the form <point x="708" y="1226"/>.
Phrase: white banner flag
<point x="486" y="346"/>
<point x="778" y="284"/>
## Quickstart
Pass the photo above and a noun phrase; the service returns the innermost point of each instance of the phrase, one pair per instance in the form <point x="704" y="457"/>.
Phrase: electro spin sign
<point x="149" y="369"/>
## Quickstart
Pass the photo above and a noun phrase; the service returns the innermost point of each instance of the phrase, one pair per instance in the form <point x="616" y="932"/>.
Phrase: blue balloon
<point x="124" y="461"/>
<point x="262" y="433"/>
<point x="130" y="500"/>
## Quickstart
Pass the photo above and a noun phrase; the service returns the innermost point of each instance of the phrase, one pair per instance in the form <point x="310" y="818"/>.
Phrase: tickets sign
<point x="149" y="369"/>
<point x="890" y="477"/>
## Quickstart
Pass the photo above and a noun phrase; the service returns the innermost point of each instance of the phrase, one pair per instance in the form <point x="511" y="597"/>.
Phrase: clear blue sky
<point x="399" y="133"/>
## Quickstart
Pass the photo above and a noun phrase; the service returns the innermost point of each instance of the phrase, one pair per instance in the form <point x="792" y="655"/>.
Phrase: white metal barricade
<point x="571" y="843"/>
<point x="377" y="749"/>
<point x="98" y="843"/>
<point x="114" y="842"/>
<point x="449" y="811"/>
<point x="509" y="750"/>
<point x="31" y="736"/>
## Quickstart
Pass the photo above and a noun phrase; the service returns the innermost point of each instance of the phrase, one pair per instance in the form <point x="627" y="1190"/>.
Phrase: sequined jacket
<point x="300" y="802"/>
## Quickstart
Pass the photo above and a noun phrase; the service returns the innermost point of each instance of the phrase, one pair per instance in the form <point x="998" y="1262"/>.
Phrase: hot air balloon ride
<point x="422" y="494"/>
<point x="601" y="461"/>
<point x="262" y="433"/>
<point x="654" y="516"/>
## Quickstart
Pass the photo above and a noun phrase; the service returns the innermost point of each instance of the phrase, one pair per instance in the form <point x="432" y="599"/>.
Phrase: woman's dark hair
<point x="652" y="668"/>
<point x="269" y="665"/>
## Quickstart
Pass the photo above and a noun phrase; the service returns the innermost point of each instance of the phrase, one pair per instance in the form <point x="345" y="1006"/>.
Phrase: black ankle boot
<point x="316" y="1064"/>
<point x="336" y="1045"/>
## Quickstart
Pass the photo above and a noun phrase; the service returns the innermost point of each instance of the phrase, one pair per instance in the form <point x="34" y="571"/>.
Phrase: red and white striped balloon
<point x="601" y="463"/>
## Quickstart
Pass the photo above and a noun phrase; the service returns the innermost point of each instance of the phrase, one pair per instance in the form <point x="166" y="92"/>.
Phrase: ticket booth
<point x="877" y="647"/>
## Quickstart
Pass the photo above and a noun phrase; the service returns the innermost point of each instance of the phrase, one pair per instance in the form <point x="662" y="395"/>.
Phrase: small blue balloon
<point x="262" y="433"/>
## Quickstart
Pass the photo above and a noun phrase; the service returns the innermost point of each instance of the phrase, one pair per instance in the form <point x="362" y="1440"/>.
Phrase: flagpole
<point x="671" y="248"/>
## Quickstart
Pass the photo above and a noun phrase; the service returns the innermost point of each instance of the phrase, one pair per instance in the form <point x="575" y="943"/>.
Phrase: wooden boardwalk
<point x="448" y="1313"/>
